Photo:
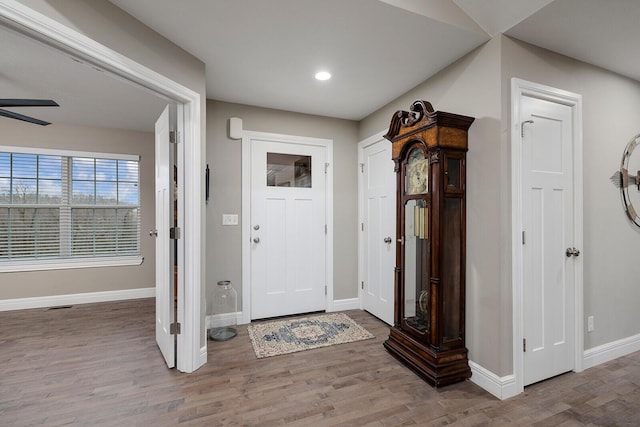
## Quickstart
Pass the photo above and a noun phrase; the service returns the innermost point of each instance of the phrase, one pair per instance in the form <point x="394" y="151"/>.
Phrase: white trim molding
<point x="500" y="387"/>
<point x="520" y="88"/>
<point x="72" y="299"/>
<point x="610" y="351"/>
<point x="345" y="304"/>
<point x="21" y="18"/>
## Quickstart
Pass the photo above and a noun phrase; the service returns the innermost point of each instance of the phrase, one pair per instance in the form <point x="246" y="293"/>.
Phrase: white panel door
<point x="378" y="244"/>
<point x="164" y="274"/>
<point x="288" y="228"/>
<point x="548" y="274"/>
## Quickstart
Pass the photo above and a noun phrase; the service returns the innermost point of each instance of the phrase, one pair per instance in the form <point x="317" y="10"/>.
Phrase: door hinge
<point x="361" y="167"/>
<point x="174" y="137"/>
<point x="362" y="226"/>
<point x="325" y="290"/>
<point x="326" y="229"/>
<point x="523" y="239"/>
<point x="326" y="168"/>
<point x="174" y="233"/>
<point x="524" y="345"/>
<point x="174" y="328"/>
<point x="362" y="285"/>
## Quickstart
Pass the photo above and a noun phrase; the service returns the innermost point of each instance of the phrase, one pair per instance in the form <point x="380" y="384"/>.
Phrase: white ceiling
<point x="87" y="96"/>
<point x="265" y="53"/>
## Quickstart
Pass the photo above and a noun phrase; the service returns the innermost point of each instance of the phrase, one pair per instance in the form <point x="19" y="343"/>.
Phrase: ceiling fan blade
<point x="22" y="117"/>
<point x="10" y="102"/>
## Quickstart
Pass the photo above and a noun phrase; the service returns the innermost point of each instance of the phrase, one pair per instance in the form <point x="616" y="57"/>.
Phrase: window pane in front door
<point x="288" y="170"/>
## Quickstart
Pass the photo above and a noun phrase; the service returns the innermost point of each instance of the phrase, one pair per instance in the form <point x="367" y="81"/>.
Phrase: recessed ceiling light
<point x="323" y="75"/>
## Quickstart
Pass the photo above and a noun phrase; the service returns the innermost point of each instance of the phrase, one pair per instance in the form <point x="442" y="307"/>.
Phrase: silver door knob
<point x="256" y="227"/>
<point x="387" y="240"/>
<point x="256" y="240"/>
<point x="572" y="252"/>
<point x="153" y="233"/>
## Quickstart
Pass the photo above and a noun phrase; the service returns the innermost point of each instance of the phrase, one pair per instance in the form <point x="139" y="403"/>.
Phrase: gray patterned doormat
<point x="304" y="333"/>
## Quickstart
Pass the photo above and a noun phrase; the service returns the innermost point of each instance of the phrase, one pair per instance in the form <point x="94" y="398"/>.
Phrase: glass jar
<point x="223" y="308"/>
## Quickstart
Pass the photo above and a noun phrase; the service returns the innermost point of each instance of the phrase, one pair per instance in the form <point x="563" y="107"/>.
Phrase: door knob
<point x="387" y="240"/>
<point x="572" y="252"/>
<point x="153" y="233"/>
<point x="256" y="240"/>
<point x="256" y="227"/>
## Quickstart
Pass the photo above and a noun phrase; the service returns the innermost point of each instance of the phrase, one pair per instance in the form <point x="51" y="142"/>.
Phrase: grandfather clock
<point x="429" y="150"/>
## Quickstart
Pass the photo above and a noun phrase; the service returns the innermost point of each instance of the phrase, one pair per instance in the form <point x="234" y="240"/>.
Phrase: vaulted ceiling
<point x="265" y="53"/>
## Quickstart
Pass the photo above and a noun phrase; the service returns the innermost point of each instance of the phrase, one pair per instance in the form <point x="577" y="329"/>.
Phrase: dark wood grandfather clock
<point x="429" y="150"/>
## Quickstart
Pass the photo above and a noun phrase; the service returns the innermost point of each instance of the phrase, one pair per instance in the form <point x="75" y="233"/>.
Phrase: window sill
<point x="66" y="264"/>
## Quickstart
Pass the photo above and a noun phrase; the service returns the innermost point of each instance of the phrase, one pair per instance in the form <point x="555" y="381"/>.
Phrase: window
<point x="62" y="208"/>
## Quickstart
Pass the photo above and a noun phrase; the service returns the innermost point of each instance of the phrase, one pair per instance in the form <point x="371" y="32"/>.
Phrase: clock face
<point x="628" y="179"/>
<point x="416" y="173"/>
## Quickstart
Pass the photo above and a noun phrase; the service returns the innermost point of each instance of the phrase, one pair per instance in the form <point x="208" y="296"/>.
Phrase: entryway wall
<point x="224" y="245"/>
<point x="479" y="85"/>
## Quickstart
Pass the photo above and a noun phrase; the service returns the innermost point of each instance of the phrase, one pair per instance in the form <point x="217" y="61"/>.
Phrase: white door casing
<point x="546" y="144"/>
<point x="324" y="149"/>
<point x="377" y="241"/>
<point x="191" y="355"/>
<point x="164" y="198"/>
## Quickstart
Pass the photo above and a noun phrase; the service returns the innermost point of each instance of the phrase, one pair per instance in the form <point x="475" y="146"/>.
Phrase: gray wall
<point x="224" y="255"/>
<point x="479" y="85"/>
<point x="81" y="280"/>
<point x="471" y="86"/>
<point x="611" y="113"/>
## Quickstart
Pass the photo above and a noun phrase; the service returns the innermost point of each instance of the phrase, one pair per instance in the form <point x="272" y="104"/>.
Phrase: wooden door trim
<point x="519" y="89"/>
<point x="247" y="137"/>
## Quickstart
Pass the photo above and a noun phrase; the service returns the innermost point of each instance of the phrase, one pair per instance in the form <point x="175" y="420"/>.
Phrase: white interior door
<point x="378" y="239"/>
<point x="164" y="266"/>
<point x="288" y="228"/>
<point x="548" y="273"/>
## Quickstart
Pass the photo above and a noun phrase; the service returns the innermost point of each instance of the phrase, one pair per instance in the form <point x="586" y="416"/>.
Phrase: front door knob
<point x="387" y="240"/>
<point x="256" y="240"/>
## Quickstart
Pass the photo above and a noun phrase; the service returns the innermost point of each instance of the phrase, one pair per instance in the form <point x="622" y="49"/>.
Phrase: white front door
<point x="164" y="266"/>
<point x="548" y="214"/>
<point x="288" y="228"/>
<point x="377" y="229"/>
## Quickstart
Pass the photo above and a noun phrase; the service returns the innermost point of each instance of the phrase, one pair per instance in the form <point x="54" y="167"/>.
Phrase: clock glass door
<point x="416" y="243"/>
<point x="416" y="261"/>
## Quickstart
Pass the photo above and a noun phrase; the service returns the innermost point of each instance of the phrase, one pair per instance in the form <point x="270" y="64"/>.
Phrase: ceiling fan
<point x="25" y="103"/>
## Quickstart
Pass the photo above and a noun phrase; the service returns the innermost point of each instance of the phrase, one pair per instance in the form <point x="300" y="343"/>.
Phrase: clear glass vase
<point x="223" y="307"/>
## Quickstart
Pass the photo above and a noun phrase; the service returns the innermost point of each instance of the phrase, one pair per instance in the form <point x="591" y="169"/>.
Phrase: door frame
<point x="247" y="137"/>
<point x="191" y="355"/>
<point x="362" y="145"/>
<point x="519" y="89"/>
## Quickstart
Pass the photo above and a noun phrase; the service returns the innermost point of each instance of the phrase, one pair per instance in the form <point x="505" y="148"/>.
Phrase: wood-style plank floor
<point x="98" y="365"/>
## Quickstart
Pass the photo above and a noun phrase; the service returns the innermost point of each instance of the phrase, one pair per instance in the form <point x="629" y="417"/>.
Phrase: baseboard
<point x="71" y="299"/>
<point x="218" y="320"/>
<point x="606" y="352"/>
<point x="202" y="357"/>
<point x="500" y="387"/>
<point x="346" y="304"/>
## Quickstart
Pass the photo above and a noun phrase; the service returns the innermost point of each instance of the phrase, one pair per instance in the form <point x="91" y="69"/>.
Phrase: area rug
<point x="304" y="333"/>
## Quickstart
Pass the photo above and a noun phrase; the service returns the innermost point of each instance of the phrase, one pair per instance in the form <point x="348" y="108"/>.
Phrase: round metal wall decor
<point x="627" y="179"/>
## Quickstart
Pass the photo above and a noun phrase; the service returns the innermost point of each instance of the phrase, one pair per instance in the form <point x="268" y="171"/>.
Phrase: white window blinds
<point x="61" y="205"/>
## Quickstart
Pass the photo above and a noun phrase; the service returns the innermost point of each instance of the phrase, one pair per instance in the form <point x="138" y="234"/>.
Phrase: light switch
<point x="229" y="219"/>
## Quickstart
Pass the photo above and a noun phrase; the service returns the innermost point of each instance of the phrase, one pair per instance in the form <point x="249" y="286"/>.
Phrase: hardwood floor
<point x="98" y="364"/>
